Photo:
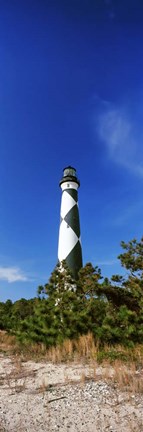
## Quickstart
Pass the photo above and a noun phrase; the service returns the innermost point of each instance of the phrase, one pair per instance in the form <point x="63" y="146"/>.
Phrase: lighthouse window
<point x="68" y="185"/>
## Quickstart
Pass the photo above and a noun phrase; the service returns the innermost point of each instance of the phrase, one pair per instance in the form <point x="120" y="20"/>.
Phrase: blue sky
<point x="71" y="92"/>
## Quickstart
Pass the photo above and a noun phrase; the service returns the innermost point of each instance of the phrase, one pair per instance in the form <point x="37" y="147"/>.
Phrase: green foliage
<point x="64" y="308"/>
<point x="5" y="315"/>
<point x="112" y="355"/>
<point x="11" y="314"/>
<point x="132" y="259"/>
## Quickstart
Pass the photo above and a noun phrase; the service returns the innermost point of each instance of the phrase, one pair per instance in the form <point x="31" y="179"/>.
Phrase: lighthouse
<point x="69" y="247"/>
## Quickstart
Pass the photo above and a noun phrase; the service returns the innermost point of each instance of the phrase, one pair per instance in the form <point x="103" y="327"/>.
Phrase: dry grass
<point x="10" y="346"/>
<point x="125" y="375"/>
<point x="85" y="350"/>
<point x="74" y="350"/>
<point x="82" y="348"/>
<point x="7" y="342"/>
<point x="128" y="377"/>
<point x="127" y="363"/>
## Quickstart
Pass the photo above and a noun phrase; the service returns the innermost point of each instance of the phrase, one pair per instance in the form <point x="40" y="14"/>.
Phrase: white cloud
<point x="12" y="274"/>
<point x="122" y="135"/>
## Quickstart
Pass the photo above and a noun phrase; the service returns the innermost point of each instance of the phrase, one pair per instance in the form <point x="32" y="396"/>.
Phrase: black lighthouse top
<point x="69" y="174"/>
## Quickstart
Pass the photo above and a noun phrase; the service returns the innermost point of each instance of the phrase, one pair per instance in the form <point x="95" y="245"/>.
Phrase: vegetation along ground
<point x="72" y="357"/>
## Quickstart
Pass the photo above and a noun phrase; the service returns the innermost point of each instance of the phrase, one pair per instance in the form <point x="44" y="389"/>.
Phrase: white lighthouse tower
<point x="69" y="248"/>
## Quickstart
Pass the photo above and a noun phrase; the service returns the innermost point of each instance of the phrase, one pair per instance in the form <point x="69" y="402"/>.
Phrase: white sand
<point x="36" y="397"/>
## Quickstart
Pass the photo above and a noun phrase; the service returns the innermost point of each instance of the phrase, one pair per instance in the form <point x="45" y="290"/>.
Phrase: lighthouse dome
<point x="69" y="171"/>
<point x="69" y="174"/>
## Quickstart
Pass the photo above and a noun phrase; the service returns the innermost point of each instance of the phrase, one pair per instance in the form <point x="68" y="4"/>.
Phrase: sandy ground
<point x="36" y="397"/>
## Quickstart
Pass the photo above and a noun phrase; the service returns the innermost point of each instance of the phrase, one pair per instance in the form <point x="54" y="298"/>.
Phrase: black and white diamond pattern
<point x="69" y="235"/>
